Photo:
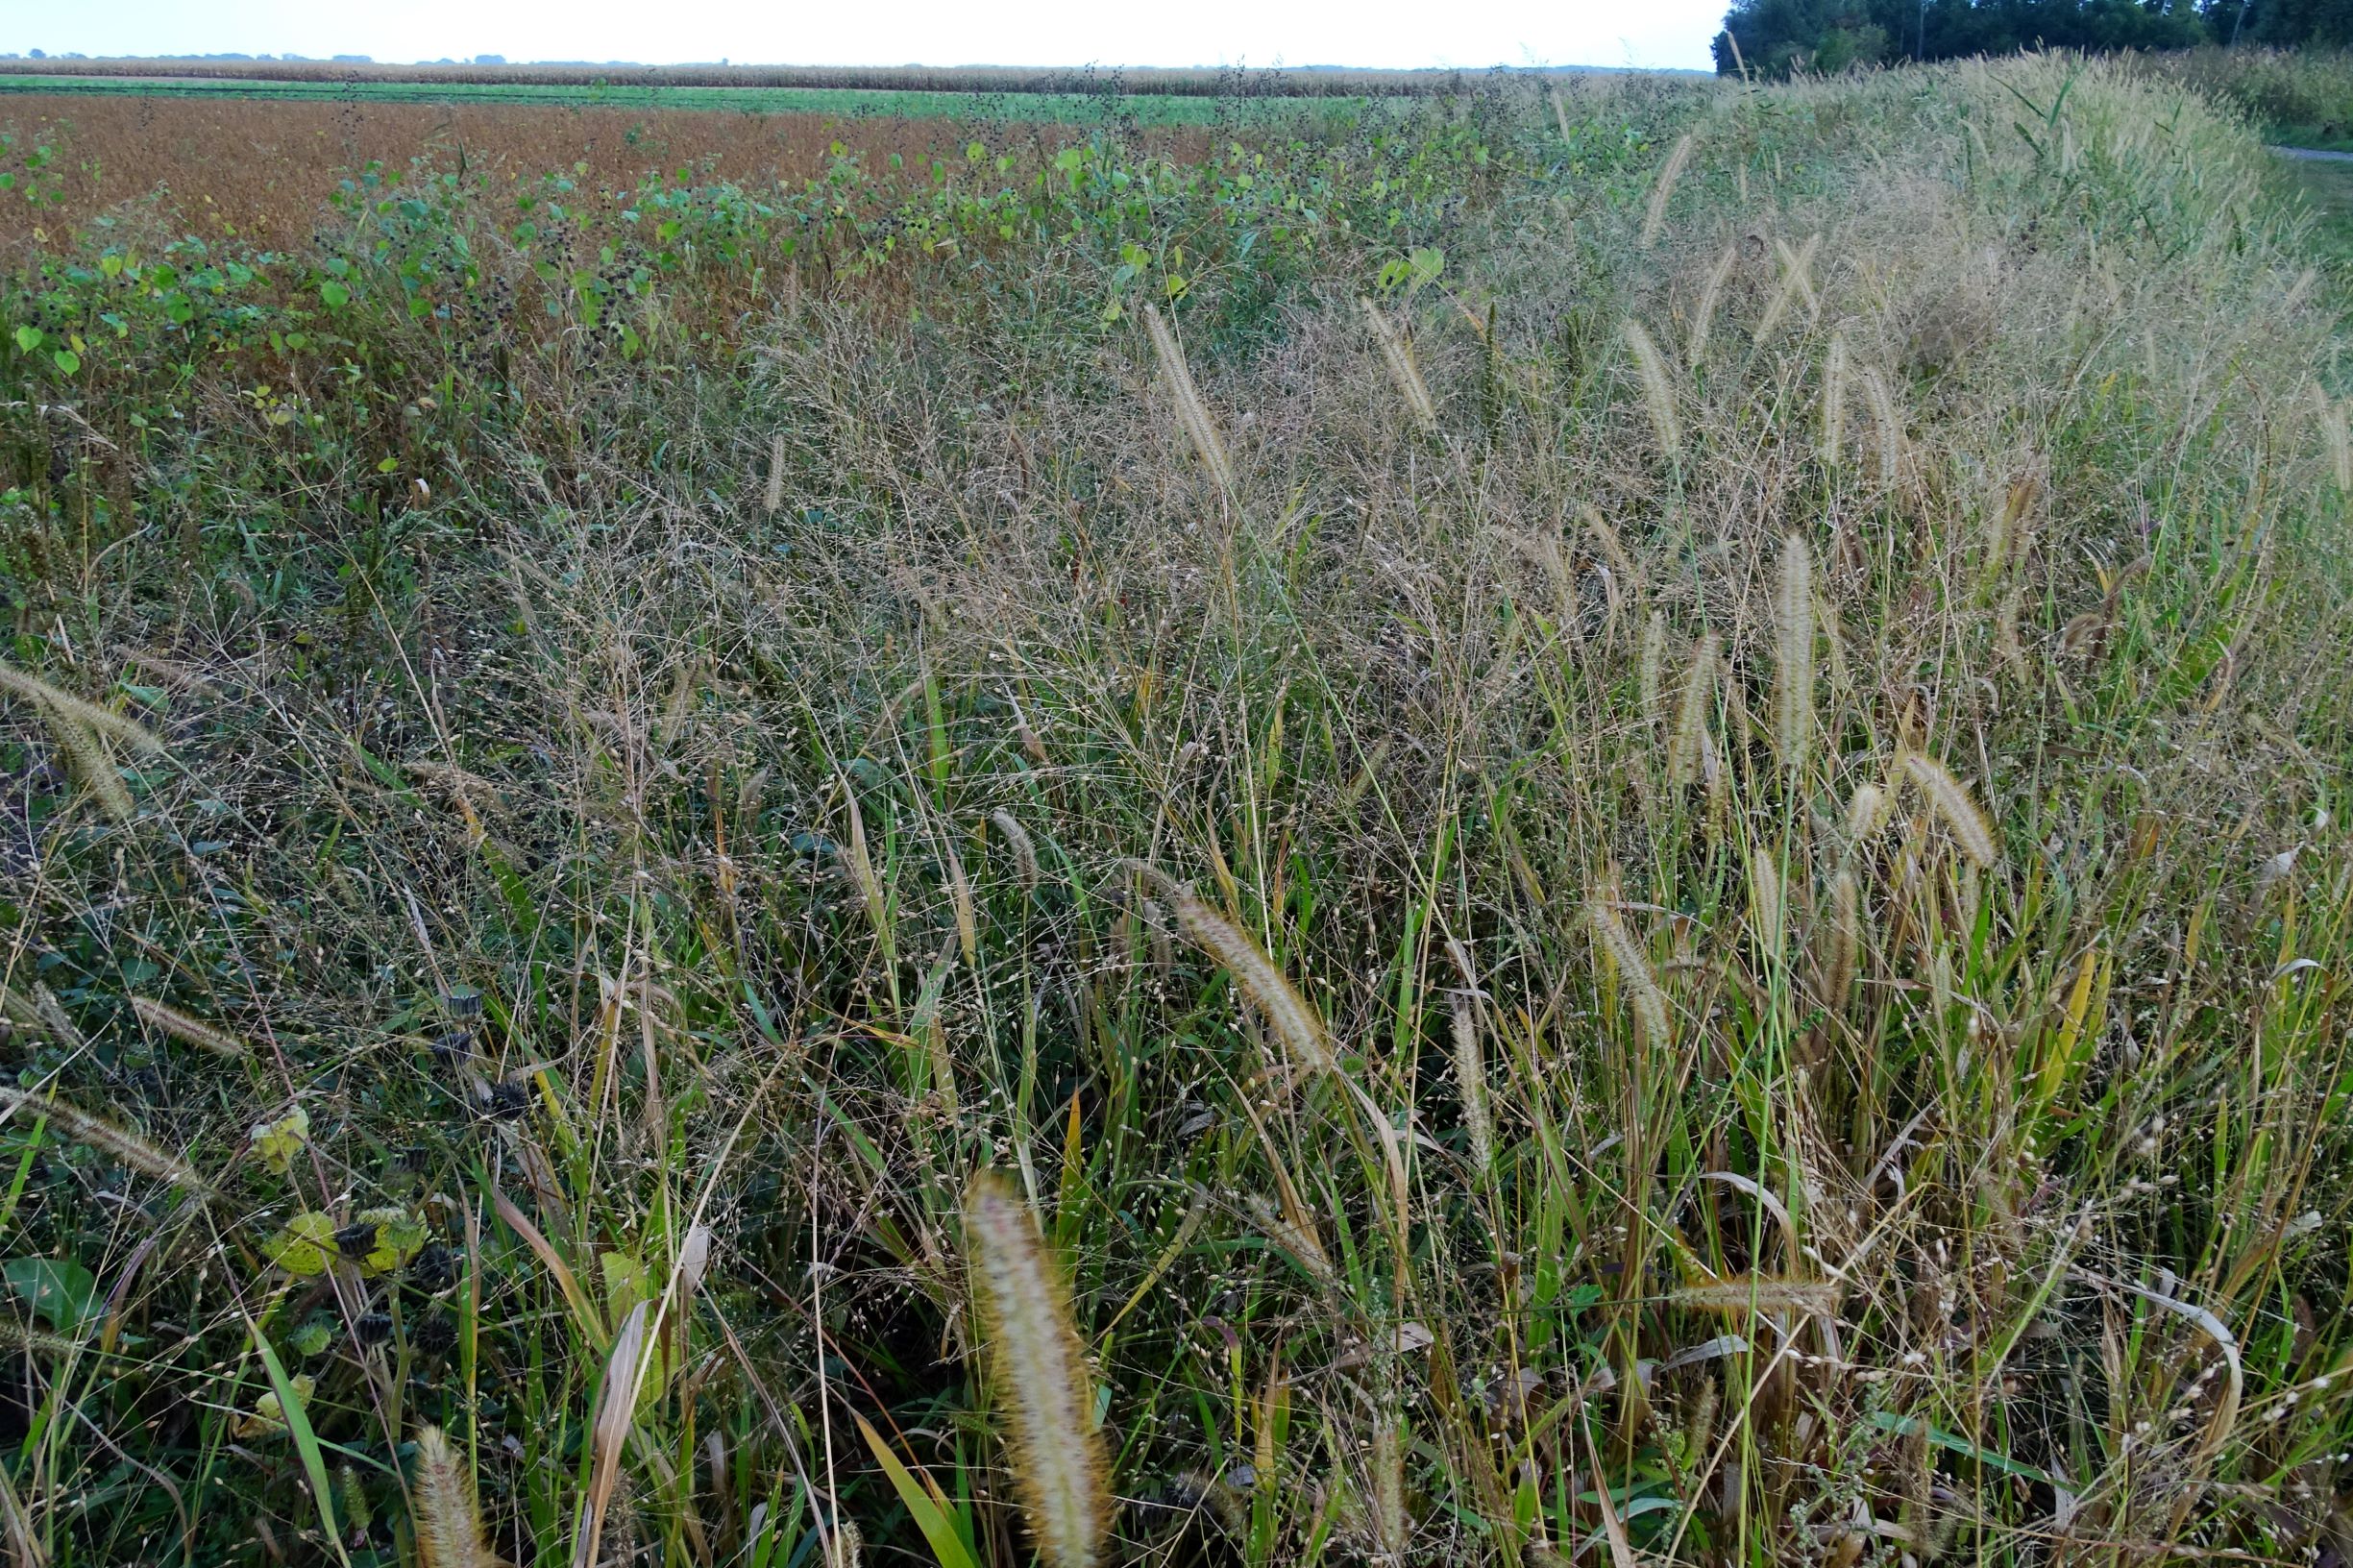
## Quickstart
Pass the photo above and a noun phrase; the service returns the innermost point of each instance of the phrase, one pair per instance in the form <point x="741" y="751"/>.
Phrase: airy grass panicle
<point x="1039" y="1372"/>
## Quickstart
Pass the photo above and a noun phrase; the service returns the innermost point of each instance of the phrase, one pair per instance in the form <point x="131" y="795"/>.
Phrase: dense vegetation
<point x="1775" y="36"/>
<point x="1598" y="823"/>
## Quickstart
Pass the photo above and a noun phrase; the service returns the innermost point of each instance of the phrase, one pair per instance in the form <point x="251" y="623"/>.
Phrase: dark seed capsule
<point x="448" y="1048"/>
<point x="436" y="1335"/>
<point x="462" y="1002"/>
<point x="355" y="1241"/>
<point x="373" y="1328"/>
<point x="435" y="1268"/>
<point x="509" y="1101"/>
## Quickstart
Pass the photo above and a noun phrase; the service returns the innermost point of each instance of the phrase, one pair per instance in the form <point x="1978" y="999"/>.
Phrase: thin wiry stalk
<point x="1039" y="1376"/>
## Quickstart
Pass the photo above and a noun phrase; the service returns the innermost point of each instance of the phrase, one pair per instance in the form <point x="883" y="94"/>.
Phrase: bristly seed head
<point x="1042" y="1384"/>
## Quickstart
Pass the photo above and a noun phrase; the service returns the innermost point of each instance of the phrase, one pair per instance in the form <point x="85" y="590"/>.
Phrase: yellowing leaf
<point x="279" y="1141"/>
<point x="305" y="1246"/>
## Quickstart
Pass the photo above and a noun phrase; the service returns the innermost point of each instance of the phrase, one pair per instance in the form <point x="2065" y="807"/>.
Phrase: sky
<point x="1256" y="32"/>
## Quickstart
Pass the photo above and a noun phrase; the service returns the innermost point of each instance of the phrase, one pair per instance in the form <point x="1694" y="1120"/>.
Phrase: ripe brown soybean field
<point x="1553" y="820"/>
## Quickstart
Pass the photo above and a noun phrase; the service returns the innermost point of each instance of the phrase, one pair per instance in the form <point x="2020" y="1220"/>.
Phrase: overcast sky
<point x="1372" y="32"/>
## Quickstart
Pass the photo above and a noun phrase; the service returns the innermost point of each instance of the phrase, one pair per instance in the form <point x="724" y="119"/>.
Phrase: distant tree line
<point x="1773" y="37"/>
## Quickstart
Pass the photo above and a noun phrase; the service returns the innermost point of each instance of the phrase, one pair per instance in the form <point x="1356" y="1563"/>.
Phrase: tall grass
<point x="1581" y="970"/>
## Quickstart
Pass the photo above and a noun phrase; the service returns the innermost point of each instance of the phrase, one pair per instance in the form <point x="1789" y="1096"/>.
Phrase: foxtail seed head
<point x="1043" y="1392"/>
<point x="180" y="1026"/>
<point x="1657" y="390"/>
<point x="88" y="715"/>
<point x="1845" y="938"/>
<point x="1643" y="997"/>
<point x="1765" y="912"/>
<point x="1652" y="668"/>
<point x="1471" y="1077"/>
<point x="1286" y="1012"/>
<point x="1191" y="411"/>
<point x="773" y="501"/>
<point x="2336" y="437"/>
<point x="1703" y="314"/>
<point x="1686" y="746"/>
<point x="1656" y="218"/>
<point x="1402" y="369"/>
<point x="447" y="1521"/>
<point x="1834" y="399"/>
<point x="1887" y="424"/>
<point x="99" y="1133"/>
<point x="1018" y="840"/>
<point x="1792" y="662"/>
<point x="1950" y="799"/>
